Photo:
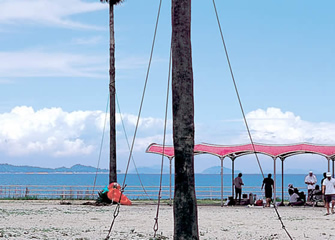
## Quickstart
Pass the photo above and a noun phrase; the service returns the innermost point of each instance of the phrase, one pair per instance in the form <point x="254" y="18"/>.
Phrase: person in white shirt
<point x="328" y="189"/>
<point x="310" y="180"/>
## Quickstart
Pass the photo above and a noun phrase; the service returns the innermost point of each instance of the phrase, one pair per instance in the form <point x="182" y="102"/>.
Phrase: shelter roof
<point x="281" y="151"/>
<point x="167" y="151"/>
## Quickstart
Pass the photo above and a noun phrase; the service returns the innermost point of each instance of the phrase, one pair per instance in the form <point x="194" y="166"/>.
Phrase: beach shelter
<point x="281" y="151"/>
<point x="274" y="151"/>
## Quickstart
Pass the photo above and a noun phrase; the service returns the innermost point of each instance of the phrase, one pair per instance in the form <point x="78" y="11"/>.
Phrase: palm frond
<point x="114" y="2"/>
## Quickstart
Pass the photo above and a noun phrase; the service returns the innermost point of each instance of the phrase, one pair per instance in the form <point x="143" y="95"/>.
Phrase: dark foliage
<point x="102" y="198"/>
<point x="114" y="2"/>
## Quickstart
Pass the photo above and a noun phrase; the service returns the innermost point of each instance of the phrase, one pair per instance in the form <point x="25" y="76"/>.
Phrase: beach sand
<point x="43" y="219"/>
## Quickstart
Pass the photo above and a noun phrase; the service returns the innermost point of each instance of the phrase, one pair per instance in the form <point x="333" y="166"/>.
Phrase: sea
<point x="207" y="185"/>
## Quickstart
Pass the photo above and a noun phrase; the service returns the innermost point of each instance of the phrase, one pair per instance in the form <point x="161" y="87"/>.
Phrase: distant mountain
<point x="217" y="170"/>
<point x="7" y="168"/>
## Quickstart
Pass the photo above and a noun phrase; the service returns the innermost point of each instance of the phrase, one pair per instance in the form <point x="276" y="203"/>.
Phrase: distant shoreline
<point x="49" y="173"/>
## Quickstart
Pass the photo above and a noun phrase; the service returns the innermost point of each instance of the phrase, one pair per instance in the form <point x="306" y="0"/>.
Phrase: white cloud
<point x="53" y="131"/>
<point x="57" y="133"/>
<point x="57" y="13"/>
<point x="274" y="126"/>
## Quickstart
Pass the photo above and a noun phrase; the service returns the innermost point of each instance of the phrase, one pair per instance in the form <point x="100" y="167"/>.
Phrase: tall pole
<point x="112" y="153"/>
<point x="185" y="205"/>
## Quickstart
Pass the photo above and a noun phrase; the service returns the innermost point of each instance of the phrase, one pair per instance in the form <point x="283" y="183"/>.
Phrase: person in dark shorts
<point x="238" y="187"/>
<point x="268" y="183"/>
<point x="328" y="189"/>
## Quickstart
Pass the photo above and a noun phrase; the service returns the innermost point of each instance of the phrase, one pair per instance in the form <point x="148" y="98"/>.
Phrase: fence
<point x="132" y="192"/>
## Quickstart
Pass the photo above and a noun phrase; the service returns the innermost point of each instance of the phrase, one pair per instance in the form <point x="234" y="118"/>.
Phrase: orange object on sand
<point x="114" y="185"/>
<point x="114" y="195"/>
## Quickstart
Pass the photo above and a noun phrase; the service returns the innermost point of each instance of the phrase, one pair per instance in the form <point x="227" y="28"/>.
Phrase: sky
<point x="54" y="60"/>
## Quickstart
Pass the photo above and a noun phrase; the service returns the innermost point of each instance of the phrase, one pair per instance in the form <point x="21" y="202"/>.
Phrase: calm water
<point x="147" y="179"/>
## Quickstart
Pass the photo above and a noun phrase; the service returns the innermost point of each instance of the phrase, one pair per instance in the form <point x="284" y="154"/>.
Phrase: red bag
<point x="259" y="202"/>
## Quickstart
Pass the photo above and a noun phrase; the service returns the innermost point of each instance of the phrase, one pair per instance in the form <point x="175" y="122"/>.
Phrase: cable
<point x="164" y="138"/>
<point x="132" y="157"/>
<point x="236" y="90"/>
<point x="101" y="144"/>
<point x="244" y="118"/>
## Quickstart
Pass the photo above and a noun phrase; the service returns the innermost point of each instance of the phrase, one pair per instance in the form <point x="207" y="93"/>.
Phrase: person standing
<point x="268" y="183"/>
<point x="310" y="180"/>
<point x="238" y="187"/>
<point x="323" y="196"/>
<point x="328" y="189"/>
<point x="324" y="177"/>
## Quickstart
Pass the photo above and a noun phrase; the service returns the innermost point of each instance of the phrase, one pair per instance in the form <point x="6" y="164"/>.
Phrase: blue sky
<point x="54" y="78"/>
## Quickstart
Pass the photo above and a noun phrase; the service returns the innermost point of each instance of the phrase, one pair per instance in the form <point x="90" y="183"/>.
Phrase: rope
<point x="164" y="137"/>
<point x="132" y="157"/>
<point x="101" y="144"/>
<point x="236" y="90"/>
<point x="244" y="118"/>
<point x="138" y="118"/>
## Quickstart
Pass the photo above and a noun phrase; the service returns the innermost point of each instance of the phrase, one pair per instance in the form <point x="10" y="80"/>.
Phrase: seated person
<point x="316" y="194"/>
<point x="302" y="196"/>
<point x="290" y="187"/>
<point x="295" y="198"/>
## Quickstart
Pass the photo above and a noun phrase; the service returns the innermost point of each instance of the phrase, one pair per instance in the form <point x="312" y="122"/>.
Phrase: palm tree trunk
<point x="112" y="155"/>
<point x="185" y="206"/>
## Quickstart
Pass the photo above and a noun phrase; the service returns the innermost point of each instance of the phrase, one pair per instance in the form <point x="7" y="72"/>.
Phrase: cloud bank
<point x="275" y="126"/>
<point x="56" y="133"/>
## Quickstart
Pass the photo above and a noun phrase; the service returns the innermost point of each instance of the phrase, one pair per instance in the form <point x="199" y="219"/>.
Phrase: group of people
<point x="327" y="191"/>
<point x="267" y="185"/>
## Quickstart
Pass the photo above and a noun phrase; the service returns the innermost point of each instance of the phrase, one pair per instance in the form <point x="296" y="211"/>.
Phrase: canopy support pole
<point x="232" y="175"/>
<point x="274" y="180"/>
<point x="333" y="159"/>
<point x="282" y="182"/>
<point x="170" y="159"/>
<point x="221" y="158"/>
<point x="328" y="164"/>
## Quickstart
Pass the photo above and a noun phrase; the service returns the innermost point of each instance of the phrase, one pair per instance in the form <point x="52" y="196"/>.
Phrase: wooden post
<point x="185" y="205"/>
<point x="112" y="154"/>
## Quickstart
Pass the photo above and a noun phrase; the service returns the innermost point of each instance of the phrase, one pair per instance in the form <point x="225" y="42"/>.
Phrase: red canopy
<point x="281" y="151"/>
<point x="167" y="151"/>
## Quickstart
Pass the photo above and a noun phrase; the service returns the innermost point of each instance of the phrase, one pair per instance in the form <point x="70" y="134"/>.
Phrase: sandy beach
<point x="42" y="219"/>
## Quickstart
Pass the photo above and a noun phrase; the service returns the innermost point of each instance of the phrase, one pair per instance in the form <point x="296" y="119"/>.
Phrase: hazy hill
<point x="7" y="168"/>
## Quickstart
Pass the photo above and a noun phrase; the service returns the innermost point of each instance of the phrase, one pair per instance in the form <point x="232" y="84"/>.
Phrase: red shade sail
<point x="281" y="151"/>
<point x="167" y="151"/>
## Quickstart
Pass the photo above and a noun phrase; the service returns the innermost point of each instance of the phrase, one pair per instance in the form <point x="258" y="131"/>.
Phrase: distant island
<point x="78" y="168"/>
